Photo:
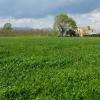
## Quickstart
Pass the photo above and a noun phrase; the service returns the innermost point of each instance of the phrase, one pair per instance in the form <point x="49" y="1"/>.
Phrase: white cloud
<point x="29" y="22"/>
<point x="89" y="19"/>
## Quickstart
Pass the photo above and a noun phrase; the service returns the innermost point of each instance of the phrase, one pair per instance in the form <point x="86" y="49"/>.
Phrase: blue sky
<point x="40" y="13"/>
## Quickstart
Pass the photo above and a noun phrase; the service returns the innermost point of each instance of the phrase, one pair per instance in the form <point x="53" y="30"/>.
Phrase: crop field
<point x="49" y="68"/>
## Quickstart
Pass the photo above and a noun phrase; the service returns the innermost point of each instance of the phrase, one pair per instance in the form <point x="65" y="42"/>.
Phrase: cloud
<point x="88" y="19"/>
<point x="43" y="8"/>
<point x="46" y="22"/>
<point x="40" y="13"/>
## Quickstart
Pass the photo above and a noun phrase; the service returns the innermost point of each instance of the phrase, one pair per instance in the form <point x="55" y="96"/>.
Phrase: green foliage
<point x="49" y="68"/>
<point x="64" y="23"/>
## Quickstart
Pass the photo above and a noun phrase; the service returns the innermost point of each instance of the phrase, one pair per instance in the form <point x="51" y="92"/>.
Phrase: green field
<point x="49" y="68"/>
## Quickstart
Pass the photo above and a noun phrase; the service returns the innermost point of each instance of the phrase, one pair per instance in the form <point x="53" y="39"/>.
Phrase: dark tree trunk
<point x="61" y="30"/>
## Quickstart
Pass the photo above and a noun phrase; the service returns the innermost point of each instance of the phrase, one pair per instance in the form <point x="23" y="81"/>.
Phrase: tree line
<point x="63" y="25"/>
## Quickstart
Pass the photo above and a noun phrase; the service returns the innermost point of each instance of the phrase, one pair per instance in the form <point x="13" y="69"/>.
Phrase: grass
<point x="49" y="68"/>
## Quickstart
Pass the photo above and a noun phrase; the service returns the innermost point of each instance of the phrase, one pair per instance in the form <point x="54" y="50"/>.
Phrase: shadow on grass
<point x="23" y="94"/>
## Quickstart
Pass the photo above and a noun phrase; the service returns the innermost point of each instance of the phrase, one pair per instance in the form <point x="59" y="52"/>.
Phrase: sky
<point x="41" y="13"/>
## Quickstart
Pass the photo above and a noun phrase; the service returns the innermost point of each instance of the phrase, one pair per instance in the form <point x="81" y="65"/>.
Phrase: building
<point x="81" y="31"/>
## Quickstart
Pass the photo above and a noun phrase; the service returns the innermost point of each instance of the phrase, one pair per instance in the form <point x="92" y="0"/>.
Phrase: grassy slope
<point x="49" y="68"/>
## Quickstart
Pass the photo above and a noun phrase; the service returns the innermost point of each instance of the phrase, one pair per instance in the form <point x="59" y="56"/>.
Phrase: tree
<point x="63" y="24"/>
<point x="7" y="26"/>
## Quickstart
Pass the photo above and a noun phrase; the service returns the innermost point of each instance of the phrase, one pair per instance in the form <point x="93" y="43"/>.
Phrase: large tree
<point x="63" y="23"/>
<point x="7" y="26"/>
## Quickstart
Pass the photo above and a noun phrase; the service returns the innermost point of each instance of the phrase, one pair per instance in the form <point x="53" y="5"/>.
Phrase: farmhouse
<point x="81" y="31"/>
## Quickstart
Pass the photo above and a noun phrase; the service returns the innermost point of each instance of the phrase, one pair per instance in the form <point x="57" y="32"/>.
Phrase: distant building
<point x="81" y="31"/>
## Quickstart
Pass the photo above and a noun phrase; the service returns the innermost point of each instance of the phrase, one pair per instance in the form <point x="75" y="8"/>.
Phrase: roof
<point x="87" y="28"/>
